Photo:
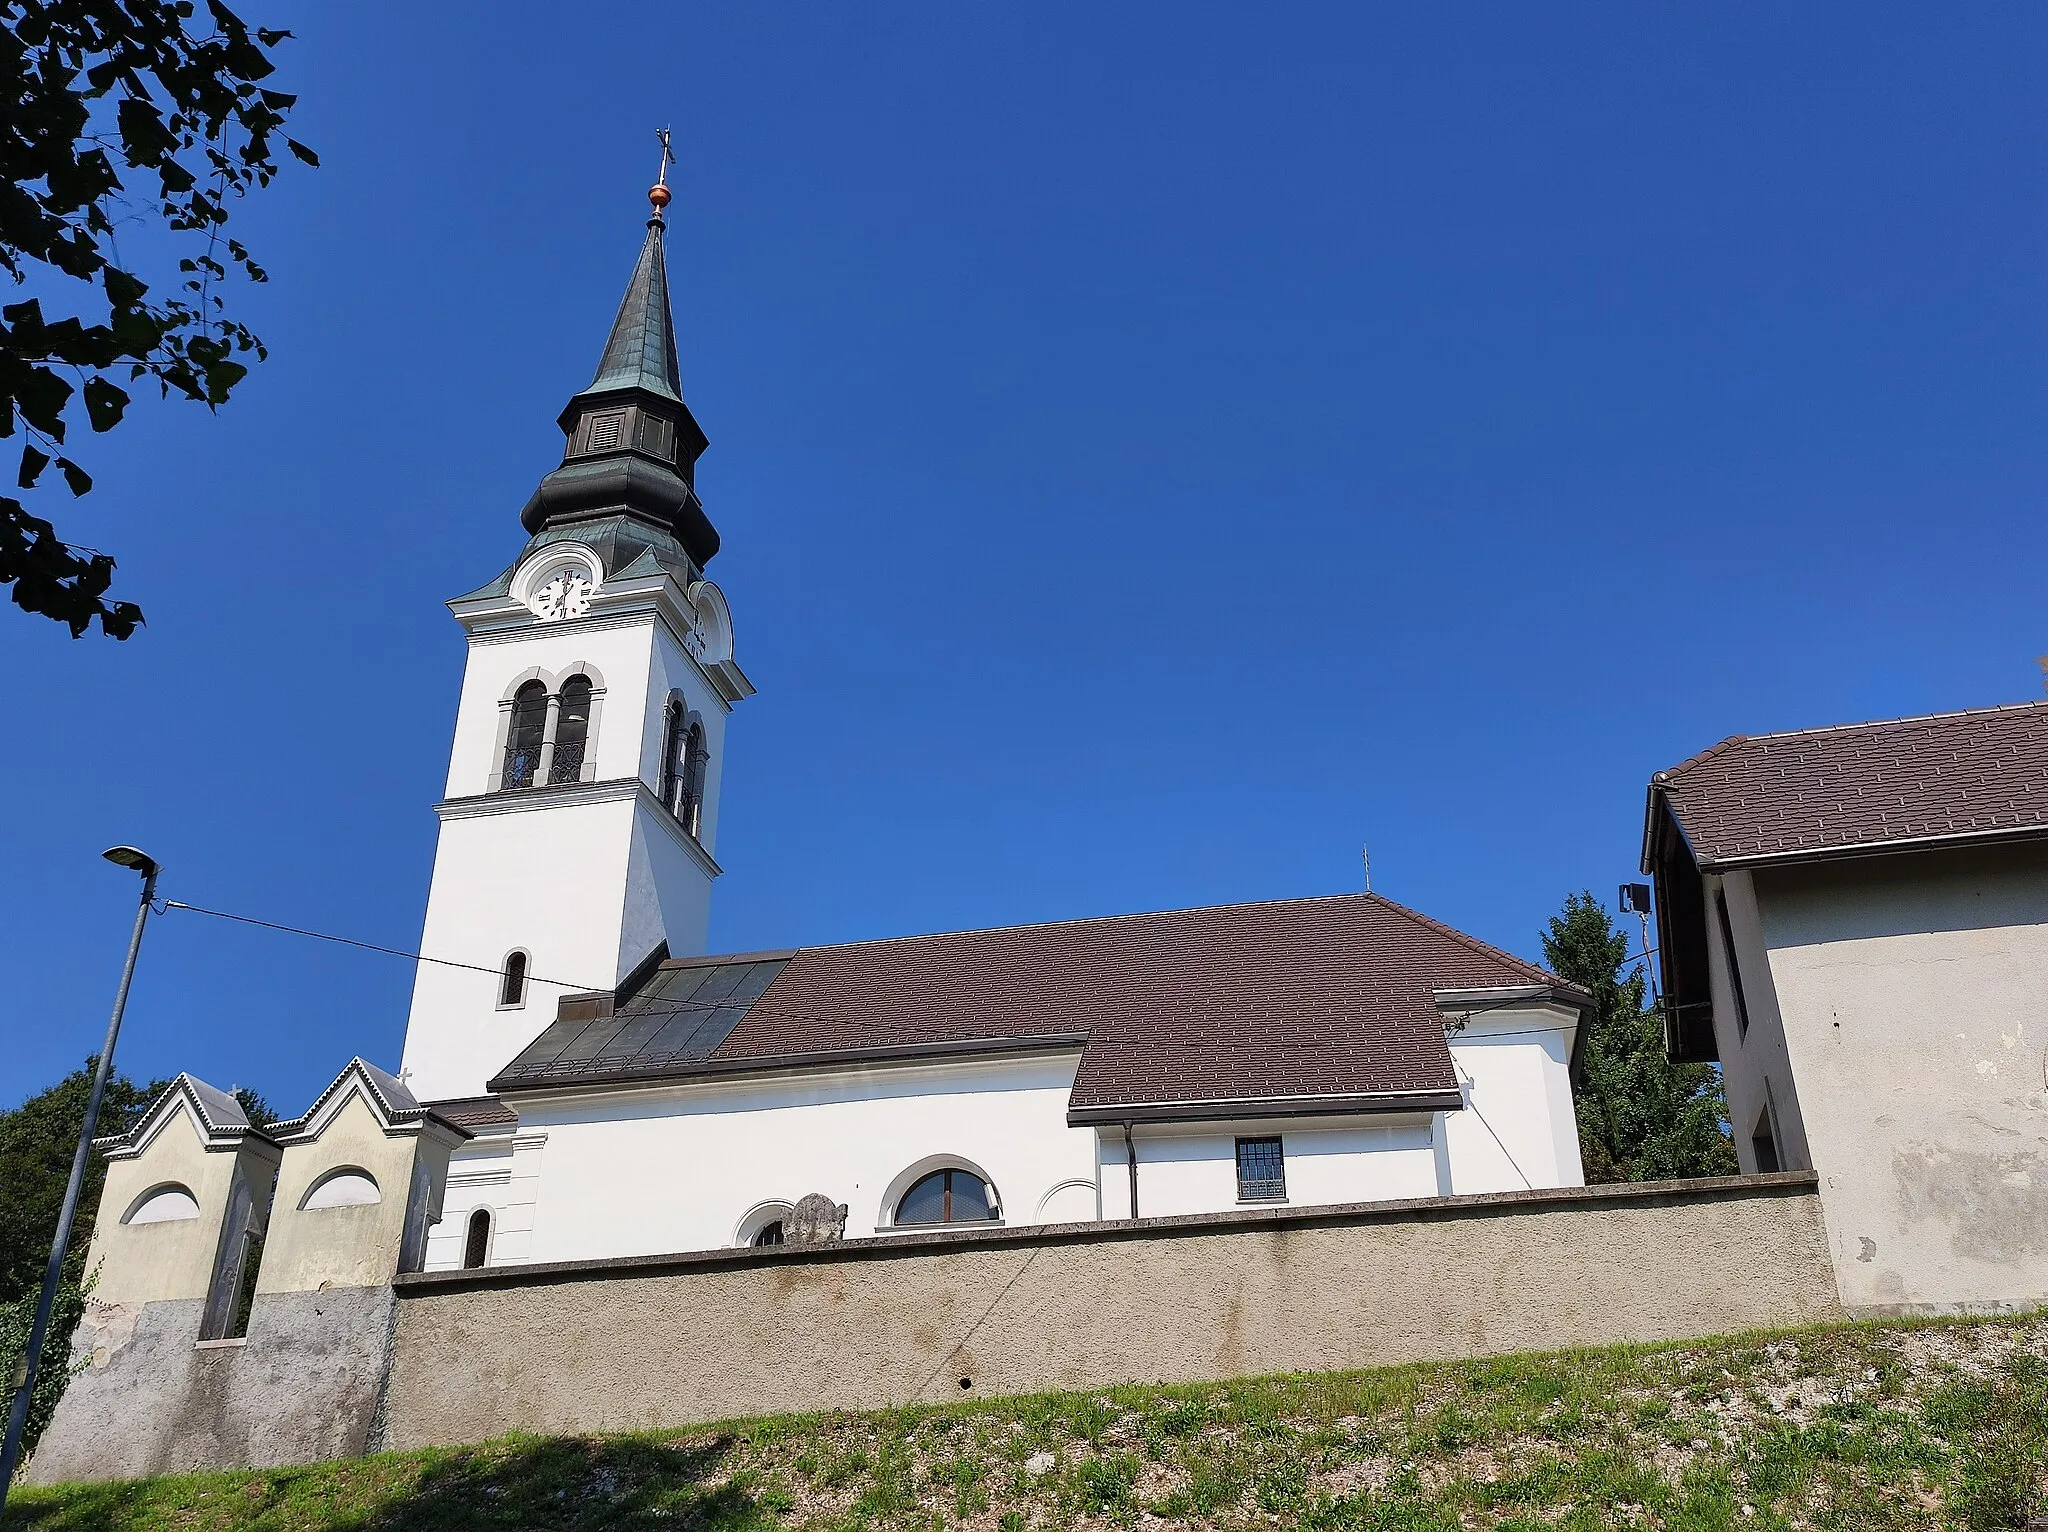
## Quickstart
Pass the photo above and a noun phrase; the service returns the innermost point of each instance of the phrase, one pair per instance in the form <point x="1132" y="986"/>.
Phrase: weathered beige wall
<point x="143" y="1263"/>
<point x="1914" y="991"/>
<point x="344" y="1246"/>
<point x="668" y="1341"/>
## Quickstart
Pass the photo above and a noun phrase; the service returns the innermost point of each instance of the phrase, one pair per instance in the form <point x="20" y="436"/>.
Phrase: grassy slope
<point x="1887" y="1426"/>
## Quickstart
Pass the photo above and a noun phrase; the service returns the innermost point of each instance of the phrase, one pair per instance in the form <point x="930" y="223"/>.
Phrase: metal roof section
<point x="669" y="1026"/>
<point x="219" y="1116"/>
<point x="640" y="352"/>
<point x="397" y="1110"/>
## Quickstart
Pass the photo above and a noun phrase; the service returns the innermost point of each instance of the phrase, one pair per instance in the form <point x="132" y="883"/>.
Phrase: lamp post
<point x="25" y="1374"/>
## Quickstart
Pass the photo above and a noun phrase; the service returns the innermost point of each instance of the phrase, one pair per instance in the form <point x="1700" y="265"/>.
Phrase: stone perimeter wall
<point x="670" y="1341"/>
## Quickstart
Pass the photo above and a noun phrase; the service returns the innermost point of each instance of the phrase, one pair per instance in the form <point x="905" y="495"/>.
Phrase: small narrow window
<point x="770" y="1233"/>
<point x="604" y="432"/>
<point x="512" y="992"/>
<point x="572" y="731"/>
<point x="948" y="1196"/>
<point x="1734" y="967"/>
<point x="477" y="1247"/>
<point x="523" y="738"/>
<point x="1261" y="1170"/>
<point x="1763" y="1143"/>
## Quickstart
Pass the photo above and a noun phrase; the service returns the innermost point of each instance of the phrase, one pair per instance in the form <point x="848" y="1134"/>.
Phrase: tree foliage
<point x="1641" y="1117"/>
<point x="37" y="1142"/>
<point x="99" y="90"/>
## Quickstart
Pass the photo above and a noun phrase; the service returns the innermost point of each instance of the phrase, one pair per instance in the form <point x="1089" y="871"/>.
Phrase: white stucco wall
<point x="1192" y="1167"/>
<point x="679" y="1167"/>
<point x="1519" y="1130"/>
<point x="498" y="1171"/>
<point x="1913" y="991"/>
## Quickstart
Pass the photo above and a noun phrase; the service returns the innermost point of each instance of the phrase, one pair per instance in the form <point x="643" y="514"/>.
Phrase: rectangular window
<point x="1261" y="1170"/>
<point x="1734" y="968"/>
<point x="1763" y="1143"/>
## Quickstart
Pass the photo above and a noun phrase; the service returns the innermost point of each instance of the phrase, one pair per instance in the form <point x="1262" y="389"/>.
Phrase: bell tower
<point x="580" y="820"/>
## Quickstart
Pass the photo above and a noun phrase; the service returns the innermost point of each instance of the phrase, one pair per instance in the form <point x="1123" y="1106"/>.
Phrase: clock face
<point x="566" y="593"/>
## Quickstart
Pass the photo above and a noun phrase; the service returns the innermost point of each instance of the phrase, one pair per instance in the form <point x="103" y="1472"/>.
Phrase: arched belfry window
<point x="683" y="758"/>
<point x="476" y="1247"/>
<point x="512" y="989"/>
<point x="572" y="731"/>
<point x="528" y="731"/>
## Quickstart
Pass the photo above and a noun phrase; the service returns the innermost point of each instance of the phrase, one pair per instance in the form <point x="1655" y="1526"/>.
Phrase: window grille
<point x="526" y="734"/>
<point x="672" y="755"/>
<point x="477" y="1247"/>
<point x="690" y="805"/>
<point x="770" y="1234"/>
<point x="572" y="731"/>
<point x="513" y="991"/>
<point x="604" y="432"/>
<point x="1261" y="1170"/>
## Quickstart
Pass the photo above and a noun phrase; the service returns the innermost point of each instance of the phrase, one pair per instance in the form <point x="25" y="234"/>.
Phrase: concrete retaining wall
<point x="665" y="1341"/>
<point x="303" y="1387"/>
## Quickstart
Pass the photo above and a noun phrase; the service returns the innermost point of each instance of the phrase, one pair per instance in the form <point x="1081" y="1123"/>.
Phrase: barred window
<point x="770" y="1233"/>
<point x="572" y="731"/>
<point x="512" y="992"/>
<point x="1261" y="1170"/>
<point x="529" y="729"/>
<point x="477" y="1247"/>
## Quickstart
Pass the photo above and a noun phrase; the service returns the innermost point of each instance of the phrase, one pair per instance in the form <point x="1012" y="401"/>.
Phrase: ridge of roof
<point x="769" y="953"/>
<point x="1817" y="730"/>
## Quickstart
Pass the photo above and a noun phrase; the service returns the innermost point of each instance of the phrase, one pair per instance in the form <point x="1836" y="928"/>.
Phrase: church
<point x="619" y="1091"/>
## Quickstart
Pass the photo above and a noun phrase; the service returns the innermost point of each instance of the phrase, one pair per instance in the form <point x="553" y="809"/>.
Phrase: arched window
<point x="572" y="731"/>
<point x="523" y="739"/>
<point x="674" y="761"/>
<point x="351" y="1186"/>
<point x="770" y="1233"/>
<point x="690" y="804"/>
<point x="169" y="1203"/>
<point x="478" y="1245"/>
<point x="948" y="1196"/>
<point x="512" y="992"/>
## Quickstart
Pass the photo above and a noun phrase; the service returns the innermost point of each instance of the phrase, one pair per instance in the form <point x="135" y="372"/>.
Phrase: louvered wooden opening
<point x="602" y="434"/>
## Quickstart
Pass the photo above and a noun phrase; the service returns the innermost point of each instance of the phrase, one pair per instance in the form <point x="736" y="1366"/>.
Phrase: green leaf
<point x="33" y="462"/>
<point x="77" y="478"/>
<point x="104" y="403"/>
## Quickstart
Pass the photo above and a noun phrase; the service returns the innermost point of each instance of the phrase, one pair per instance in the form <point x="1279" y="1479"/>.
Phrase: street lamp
<point x="25" y="1374"/>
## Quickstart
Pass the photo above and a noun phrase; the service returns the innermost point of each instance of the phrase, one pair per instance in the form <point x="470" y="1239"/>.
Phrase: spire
<point x="641" y="351"/>
<point x="633" y="444"/>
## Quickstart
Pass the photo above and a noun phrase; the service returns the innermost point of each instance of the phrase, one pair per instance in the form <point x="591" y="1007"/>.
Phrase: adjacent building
<point x="1853" y="922"/>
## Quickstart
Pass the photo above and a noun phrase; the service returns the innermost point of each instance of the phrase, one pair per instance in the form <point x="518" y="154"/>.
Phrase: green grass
<point x="1908" y="1425"/>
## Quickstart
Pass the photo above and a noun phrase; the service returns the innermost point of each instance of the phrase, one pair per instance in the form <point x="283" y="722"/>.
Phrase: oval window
<point x="163" y="1204"/>
<point x="345" y="1188"/>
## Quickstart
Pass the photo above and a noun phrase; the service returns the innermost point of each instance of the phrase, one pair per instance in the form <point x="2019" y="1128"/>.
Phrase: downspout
<point x="1131" y="1159"/>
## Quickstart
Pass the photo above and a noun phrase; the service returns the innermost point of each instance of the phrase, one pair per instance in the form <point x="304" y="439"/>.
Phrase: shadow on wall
<point x="565" y="1482"/>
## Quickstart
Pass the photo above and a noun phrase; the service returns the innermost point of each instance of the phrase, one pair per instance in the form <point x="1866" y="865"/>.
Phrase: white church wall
<point x="1518" y="1129"/>
<point x="500" y="1174"/>
<point x="673" y="1168"/>
<point x="1192" y="1167"/>
<point x="547" y="882"/>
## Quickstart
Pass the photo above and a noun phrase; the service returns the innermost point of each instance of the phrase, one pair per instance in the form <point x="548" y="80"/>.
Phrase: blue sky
<point x="1158" y="448"/>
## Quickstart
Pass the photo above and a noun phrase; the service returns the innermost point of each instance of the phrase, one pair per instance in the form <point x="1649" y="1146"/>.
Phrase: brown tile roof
<point x="1820" y="792"/>
<point x="1326" y="998"/>
<point x="474" y="1112"/>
